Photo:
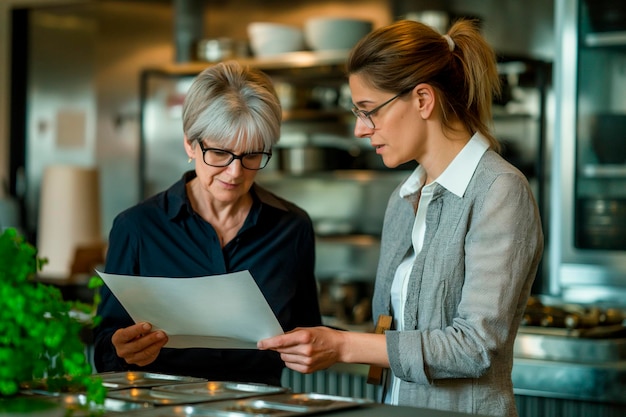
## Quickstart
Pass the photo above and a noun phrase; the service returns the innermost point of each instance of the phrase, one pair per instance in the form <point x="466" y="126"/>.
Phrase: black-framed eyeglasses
<point x="366" y="116"/>
<point x="216" y="157"/>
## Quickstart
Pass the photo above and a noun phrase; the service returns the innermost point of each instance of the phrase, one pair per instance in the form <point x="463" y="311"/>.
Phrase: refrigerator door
<point x="588" y="228"/>
<point x="163" y="158"/>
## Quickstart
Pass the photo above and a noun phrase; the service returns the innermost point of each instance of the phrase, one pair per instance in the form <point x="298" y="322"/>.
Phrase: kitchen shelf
<point x="605" y="171"/>
<point x="295" y="139"/>
<point x="332" y="60"/>
<point x="502" y="113"/>
<point x="600" y="39"/>
<point x="333" y="115"/>
<point x="322" y="61"/>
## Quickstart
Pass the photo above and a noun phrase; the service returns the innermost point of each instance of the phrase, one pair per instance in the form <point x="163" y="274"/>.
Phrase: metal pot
<point x="309" y="158"/>
<point x="300" y="160"/>
<point x="215" y="50"/>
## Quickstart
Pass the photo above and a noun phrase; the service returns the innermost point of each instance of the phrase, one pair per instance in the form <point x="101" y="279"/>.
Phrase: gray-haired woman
<point x="462" y="237"/>
<point x="214" y="220"/>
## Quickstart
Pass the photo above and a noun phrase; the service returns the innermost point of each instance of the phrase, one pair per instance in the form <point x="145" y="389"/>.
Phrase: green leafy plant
<point x="39" y="330"/>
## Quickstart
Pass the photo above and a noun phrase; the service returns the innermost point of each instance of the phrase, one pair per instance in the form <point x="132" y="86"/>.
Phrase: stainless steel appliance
<point x="80" y="101"/>
<point x="570" y="360"/>
<point x="588" y="201"/>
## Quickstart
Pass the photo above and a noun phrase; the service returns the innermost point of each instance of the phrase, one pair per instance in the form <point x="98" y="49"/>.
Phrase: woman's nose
<point x="361" y="130"/>
<point x="235" y="168"/>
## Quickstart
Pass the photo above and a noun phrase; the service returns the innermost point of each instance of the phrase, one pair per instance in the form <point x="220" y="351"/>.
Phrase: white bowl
<point x="335" y="33"/>
<point x="267" y="39"/>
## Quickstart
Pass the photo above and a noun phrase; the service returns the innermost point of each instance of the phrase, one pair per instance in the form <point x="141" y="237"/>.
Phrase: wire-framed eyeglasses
<point x="217" y="157"/>
<point x="366" y="116"/>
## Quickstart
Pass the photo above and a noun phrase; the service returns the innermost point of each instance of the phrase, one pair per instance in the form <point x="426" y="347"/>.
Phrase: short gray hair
<point x="233" y="106"/>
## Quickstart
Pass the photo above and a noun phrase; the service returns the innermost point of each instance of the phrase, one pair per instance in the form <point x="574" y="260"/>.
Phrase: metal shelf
<point x="285" y="61"/>
<point x="605" y="171"/>
<point x="599" y="39"/>
<point x="334" y="59"/>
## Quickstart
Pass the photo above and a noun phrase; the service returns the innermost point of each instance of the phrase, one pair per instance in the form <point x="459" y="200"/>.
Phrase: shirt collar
<point x="456" y="177"/>
<point x="176" y="197"/>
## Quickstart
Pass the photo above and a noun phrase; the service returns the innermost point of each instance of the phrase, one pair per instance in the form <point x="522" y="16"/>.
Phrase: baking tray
<point x="76" y="404"/>
<point x="288" y="404"/>
<point x="222" y="390"/>
<point x="136" y="379"/>
<point x="40" y="387"/>
<point x="280" y="405"/>
<point x="154" y="397"/>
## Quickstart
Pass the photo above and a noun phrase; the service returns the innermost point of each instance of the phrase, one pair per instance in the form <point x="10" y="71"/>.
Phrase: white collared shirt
<point x="455" y="178"/>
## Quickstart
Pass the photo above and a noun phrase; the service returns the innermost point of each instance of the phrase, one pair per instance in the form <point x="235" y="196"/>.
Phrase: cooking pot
<point x="302" y="159"/>
<point x="215" y="50"/>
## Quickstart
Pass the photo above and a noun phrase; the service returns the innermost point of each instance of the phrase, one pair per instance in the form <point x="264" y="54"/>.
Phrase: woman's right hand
<point x="138" y="344"/>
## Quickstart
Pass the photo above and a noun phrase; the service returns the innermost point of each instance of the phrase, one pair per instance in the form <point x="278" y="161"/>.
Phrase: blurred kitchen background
<point x="90" y="99"/>
<point x="98" y="84"/>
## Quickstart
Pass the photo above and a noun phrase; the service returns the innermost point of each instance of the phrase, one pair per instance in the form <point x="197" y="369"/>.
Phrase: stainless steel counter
<point x="603" y="382"/>
<point x="558" y="366"/>
<point x="545" y="366"/>
<point x="557" y="346"/>
<point x="380" y="410"/>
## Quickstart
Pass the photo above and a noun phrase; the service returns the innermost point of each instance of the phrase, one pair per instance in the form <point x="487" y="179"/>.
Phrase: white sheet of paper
<point x="218" y="311"/>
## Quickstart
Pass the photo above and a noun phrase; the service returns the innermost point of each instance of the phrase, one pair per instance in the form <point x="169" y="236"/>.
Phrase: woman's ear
<point x="189" y="148"/>
<point x="425" y="99"/>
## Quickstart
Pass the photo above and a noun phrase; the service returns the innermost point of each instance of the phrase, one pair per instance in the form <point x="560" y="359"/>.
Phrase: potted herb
<point x="39" y="330"/>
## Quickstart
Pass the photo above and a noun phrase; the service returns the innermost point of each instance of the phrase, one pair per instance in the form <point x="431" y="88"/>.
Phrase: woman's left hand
<point x="307" y="349"/>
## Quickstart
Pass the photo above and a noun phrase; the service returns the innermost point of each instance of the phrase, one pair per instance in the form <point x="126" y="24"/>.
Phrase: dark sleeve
<point x="120" y="260"/>
<point x="306" y="305"/>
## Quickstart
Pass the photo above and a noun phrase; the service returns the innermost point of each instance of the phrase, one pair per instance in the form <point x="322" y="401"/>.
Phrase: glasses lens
<point x="255" y="160"/>
<point x="217" y="157"/>
<point x="363" y="117"/>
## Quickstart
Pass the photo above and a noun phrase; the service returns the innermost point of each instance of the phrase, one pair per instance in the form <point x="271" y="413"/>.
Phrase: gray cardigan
<point x="467" y="291"/>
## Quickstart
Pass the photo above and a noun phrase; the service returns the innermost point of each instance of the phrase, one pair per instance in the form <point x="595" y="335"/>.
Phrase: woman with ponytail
<point x="462" y="237"/>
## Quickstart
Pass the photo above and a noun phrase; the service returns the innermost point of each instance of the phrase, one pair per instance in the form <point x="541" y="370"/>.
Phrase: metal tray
<point x="136" y="379"/>
<point x="282" y="405"/>
<point x="223" y="390"/>
<point x="77" y="405"/>
<point x="152" y="396"/>
<point x="305" y="403"/>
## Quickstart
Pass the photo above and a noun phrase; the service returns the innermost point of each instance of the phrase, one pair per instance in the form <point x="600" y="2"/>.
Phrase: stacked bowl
<point x="319" y="34"/>
<point x="335" y="33"/>
<point x="268" y="39"/>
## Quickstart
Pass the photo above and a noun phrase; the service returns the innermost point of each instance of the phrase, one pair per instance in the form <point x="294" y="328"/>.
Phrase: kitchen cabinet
<point x="588" y="202"/>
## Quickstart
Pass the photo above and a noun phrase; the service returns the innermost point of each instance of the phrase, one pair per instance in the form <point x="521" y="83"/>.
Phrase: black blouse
<point x="164" y="237"/>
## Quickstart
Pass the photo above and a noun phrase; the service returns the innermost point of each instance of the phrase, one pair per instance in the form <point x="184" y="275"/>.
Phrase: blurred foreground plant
<point x="39" y="331"/>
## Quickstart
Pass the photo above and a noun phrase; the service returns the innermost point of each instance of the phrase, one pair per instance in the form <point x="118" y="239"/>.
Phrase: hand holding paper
<point x="219" y="311"/>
